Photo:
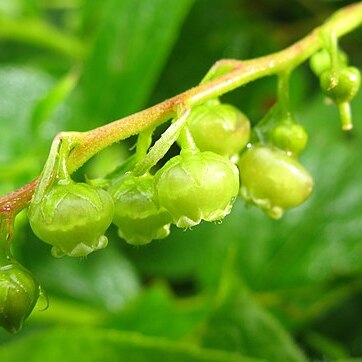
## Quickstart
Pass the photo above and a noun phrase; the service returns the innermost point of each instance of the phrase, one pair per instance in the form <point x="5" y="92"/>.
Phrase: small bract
<point x="219" y="128"/>
<point x="196" y="186"/>
<point x="73" y="218"/>
<point x="137" y="214"/>
<point x="272" y="180"/>
<point x="19" y="292"/>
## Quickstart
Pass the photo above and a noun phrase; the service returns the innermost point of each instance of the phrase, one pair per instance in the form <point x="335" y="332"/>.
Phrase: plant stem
<point x="56" y="166"/>
<point x="162" y="145"/>
<point x="333" y="50"/>
<point x="283" y="92"/>
<point x="239" y="74"/>
<point x="49" y="170"/>
<point x="234" y="74"/>
<point x="6" y="233"/>
<point x="186" y="140"/>
<point x="345" y="115"/>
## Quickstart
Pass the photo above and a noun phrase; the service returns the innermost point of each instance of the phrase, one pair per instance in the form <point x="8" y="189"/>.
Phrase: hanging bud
<point x="220" y="128"/>
<point x="289" y="136"/>
<point x="137" y="214"/>
<point x="321" y="61"/>
<point x="73" y="218"/>
<point x="272" y="180"/>
<point x="196" y="186"/>
<point x="19" y="292"/>
<point x="341" y="86"/>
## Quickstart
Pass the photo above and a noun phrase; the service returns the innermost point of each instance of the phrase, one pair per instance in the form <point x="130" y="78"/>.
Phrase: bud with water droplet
<point x="196" y="186"/>
<point x="19" y="292"/>
<point x="272" y="180"/>
<point x="73" y="218"/>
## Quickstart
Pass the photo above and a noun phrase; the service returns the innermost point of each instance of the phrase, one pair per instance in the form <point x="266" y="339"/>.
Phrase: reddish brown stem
<point x="239" y="73"/>
<point x="14" y="202"/>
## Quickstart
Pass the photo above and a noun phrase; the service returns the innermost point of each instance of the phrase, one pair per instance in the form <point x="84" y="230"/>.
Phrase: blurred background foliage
<point x="250" y="289"/>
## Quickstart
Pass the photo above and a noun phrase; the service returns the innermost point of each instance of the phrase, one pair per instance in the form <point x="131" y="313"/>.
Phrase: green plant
<point x="153" y="188"/>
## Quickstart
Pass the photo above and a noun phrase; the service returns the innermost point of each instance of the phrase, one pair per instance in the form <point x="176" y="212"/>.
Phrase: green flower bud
<point x="321" y="61"/>
<point x="19" y="292"/>
<point x="289" y="136"/>
<point x="137" y="214"/>
<point x="73" y="218"/>
<point x="341" y="86"/>
<point x="219" y="128"/>
<point x="197" y="186"/>
<point x="273" y="181"/>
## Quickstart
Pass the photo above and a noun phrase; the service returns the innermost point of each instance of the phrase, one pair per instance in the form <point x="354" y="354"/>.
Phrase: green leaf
<point x="143" y="314"/>
<point x="216" y="30"/>
<point x="93" y="345"/>
<point x="184" y="254"/>
<point x="63" y="312"/>
<point x="105" y="279"/>
<point x="327" y="347"/>
<point x="10" y="7"/>
<point x="50" y="101"/>
<point x="40" y="33"/>
<point x="240" y="324"/>
<point x="131" y="43"/>
<point x="20" y="89"/>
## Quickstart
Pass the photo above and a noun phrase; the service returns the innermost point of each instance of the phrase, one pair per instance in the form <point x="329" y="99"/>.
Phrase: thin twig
<point x="238" y="73"/>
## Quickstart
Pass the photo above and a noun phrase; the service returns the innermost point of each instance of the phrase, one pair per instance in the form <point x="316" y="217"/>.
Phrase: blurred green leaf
<point x="65" y="312"/>
<point x="11" y="7"/>
<point x="39" y="33"/>
<point x="91" y="345"/>
<point x="157" y="313"/>
<point x="240" y="325"/>
<point x="326" y="346"/>
<point x="105" y="279"/>
<point x="179" y="256"/>
<point x="51" y="100"/>
<point x="130" y="46"/>
<point x="21" y="88"/>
